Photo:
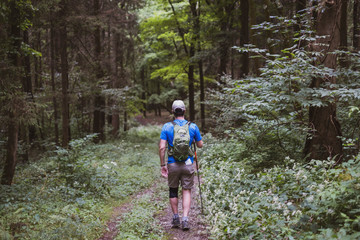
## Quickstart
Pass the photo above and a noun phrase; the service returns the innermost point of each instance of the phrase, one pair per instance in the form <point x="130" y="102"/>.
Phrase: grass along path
<point x="82" y="192"/>
<point x="147" y="215"/>
<point x="71" y="193"/>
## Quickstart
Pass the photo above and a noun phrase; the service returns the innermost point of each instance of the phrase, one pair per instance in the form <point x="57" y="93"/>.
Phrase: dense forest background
<point x="274" y="85"/>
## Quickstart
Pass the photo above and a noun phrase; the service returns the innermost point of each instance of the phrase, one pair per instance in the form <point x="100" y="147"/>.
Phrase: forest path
<point x="198" y="230"/>
<point x="112" y="229"/>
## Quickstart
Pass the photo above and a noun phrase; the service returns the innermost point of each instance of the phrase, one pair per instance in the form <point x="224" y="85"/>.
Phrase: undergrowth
<point x="69" y="195"/>
<point x="293" y="200"/>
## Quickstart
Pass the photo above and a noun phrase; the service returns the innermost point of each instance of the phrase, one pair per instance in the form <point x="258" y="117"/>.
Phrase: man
<point x="179" y="170"/>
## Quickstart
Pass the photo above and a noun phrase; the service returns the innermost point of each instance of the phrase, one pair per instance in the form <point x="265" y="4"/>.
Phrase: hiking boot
<point x="185" y="225"/>
<point x="176" y="222"/>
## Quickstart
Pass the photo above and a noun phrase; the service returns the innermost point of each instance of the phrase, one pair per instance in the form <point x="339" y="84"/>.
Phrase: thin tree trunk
<point x="38" y="63"/>
<point x="125" y="121"/>
<point x="158" y="106"/>
<point x="27" y="85"/>
<point x="244" y="38"/>
<point x="53" y="85"/>
<point x="99" y="101"/>
<point x="64" y="78"/>
<point x="202" y="96"/>
<point x="356" y="22"/>
<point x="255" y="63"/>
<point x="115" y="114"/>
<point x="343" y="32"/>
<point x="324" y="141"/>
<point x="300" y="6"/>
<point x="27" y="88"/>
<point x="143" y="94"/>
<point x="223" y="51"/>
<point x="191" y="85"/>
<point x="267" y="32"/>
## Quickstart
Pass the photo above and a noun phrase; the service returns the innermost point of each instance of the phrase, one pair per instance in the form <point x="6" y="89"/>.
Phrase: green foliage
<point x="65" y="195"/>
<point x="140" y="222"/>
<point x="294" y="201"/>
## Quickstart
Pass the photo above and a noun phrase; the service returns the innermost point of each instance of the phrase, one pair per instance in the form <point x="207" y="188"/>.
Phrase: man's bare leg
<point x="174" y="205"/>
<point x="186" y="201"/>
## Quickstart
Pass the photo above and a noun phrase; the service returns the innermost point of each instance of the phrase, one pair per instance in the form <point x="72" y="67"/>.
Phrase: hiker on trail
<point x="177" y="137"/>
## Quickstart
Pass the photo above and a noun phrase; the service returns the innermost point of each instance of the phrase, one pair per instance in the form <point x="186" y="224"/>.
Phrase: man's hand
<point x="164" y="171"/>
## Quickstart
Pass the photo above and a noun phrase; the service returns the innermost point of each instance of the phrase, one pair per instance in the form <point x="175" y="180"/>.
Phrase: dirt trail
<point x="118" y="211"/>
<point x="197" y="230"/>
<point x="197" y="225"/>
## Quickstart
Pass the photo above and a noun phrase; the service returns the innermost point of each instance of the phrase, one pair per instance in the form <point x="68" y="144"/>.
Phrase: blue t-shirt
<point x="167" y="133"/>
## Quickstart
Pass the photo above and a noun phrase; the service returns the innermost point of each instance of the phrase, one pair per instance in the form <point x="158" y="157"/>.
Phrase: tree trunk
<point x="99" y="101"/>
<point x="299" y="7"/>
<point x="125" y="121"/>
<point x="38" y="64"/>
<point x="53" y="85"/>
<point x="64" y="78"/>
<point x="12" y="144"/>
<point x="27" y="88"/>
<point x="115" y="113"/>
<point x="191" y="85"/>
<point x="143" y="94"/>
<point x="255" y="63"/>
<point x="244" y="38"/>
<point x="343" y="32"/>
<point x="202" y="96"/>
<point x="27" y="85"/>
<point x="13" y="124"/>
<point x="356" y="22"/>
<point x="158" y="106"/>
<point x="223" y="51"/>
<point x="324" y="141"/>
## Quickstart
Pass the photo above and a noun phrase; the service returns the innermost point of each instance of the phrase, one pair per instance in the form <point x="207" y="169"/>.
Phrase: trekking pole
<point x="197" y="168"/>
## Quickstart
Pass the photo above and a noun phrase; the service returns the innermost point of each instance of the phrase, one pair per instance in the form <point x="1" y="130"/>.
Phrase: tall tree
<point x="356" y="22"/>
<point x="324" y="140"/>
<point x="99" y="101"/>
<point x="244" y="36"/>
<point x="64" y="75"/>
<point x="14" y="37"/>
<point x="191" y="78"/>
<point x="52" y="79"/>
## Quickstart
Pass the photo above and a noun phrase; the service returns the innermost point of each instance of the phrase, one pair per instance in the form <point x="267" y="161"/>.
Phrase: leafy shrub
<point x="296" y="200"/>
<point x="67" y="195"/>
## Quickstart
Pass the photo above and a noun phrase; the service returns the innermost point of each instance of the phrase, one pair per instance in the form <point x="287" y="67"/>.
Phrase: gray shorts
<point x="180" y="172"/>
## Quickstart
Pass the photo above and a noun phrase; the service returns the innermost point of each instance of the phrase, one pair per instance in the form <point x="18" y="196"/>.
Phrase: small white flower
<point x="286" y="212"/>
<point x="106" y="166"/>
<point x="310" y="198"/>
<point x="330" y="211"/>
<point x="114" y="163"/>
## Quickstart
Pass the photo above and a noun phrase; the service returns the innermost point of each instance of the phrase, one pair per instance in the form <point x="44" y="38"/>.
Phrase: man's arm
<point x="162" y="149"/>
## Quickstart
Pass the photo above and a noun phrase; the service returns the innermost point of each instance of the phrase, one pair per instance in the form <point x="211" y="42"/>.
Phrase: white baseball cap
<point x="178" y="104"/>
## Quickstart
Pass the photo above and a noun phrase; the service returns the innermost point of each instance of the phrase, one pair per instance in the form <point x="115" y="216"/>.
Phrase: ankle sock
<point x="185" y="218"/>
<point x="176" y="216"/>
